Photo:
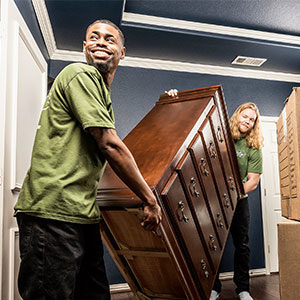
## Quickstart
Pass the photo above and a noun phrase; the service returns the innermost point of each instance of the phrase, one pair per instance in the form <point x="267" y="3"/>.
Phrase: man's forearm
<point x="252" y="182"/>
<point x="124" y="165"/>
<point x="249" y="186"/>
<point x="122" y="162"/>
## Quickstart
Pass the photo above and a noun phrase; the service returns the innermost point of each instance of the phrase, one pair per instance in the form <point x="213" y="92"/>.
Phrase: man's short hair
<point x="104" y="21"/>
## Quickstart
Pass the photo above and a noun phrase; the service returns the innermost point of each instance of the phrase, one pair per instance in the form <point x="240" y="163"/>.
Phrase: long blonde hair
<point x="254" y="138"/>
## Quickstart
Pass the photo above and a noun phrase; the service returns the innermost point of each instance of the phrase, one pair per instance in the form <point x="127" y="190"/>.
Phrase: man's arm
<point x="122" y="162"/>
<point x="252" y="182"/>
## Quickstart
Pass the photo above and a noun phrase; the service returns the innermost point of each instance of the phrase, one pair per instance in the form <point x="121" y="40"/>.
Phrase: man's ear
<point x="123" y="53"/>
<point x="83" y="46"/>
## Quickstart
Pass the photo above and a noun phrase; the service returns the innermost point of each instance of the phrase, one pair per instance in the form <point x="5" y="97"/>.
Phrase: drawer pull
<point x="193" y="189"/>
<point x="211" y="243"/>
<point x="212" y="150"/>
<point x="231" y="184"/>
<point x="203" y="264"/>
<point x="226" y="202"/>
<point x="183" y="216"/>
<point x="219" y="135"/>
<point x="203" y="167"/>
<point x="220" y="221"/>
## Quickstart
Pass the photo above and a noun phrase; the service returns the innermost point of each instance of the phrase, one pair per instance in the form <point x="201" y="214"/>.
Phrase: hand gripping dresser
<point x="185" y="151"/>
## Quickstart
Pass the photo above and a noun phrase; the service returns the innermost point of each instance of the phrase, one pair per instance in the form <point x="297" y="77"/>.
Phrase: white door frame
<point x="3" y="57"/>
<point x="264" y="205"/>
<point x="20" y="43"/>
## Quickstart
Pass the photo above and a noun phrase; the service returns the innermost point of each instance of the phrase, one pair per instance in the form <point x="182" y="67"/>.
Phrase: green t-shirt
<point x="66" y="164"/>
<point x="249" y="159"/>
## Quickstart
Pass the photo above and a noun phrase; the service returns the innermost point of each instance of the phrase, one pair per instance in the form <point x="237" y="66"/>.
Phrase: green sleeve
<point x="84" y="95"/>
<point x="255" y="161"/>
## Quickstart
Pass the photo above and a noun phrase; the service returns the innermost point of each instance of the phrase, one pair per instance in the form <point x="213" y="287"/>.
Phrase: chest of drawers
<point x="185" y="152"/>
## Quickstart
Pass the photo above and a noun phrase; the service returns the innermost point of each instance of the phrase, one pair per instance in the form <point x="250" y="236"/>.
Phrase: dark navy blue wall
<point x="134" y="93"/>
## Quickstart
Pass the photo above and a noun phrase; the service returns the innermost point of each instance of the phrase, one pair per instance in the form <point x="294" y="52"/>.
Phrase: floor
<point x="262" y="288"/>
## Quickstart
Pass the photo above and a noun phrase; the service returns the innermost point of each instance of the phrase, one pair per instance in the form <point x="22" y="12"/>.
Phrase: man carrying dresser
<point x="60" y="243"/>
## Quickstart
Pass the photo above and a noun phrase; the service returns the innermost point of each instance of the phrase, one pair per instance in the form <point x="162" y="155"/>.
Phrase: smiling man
<point x="58" y="218"/>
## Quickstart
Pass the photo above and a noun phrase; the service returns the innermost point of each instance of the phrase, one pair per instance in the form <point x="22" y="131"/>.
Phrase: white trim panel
<point x="265" y="199"/>
<point x="268" y="119"/>
<point x="252" y="273"/>
<point x="13" y="99"/>
<point x="3" y="89"/>
<point x="264" y="119"/>
<point x="15" y="34"/>
<point x="13" y="234"/>
<point x="119" y="288"/>
<point x="210" y="28"/>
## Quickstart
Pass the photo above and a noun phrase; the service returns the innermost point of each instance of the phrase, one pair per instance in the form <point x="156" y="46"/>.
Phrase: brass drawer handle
<point x="220" y="221"/>
<point x="183" y="216"/>
<point x="219" y="135"/>
<point x="211" y="243"/>
<point x="203" y="265"/>
<point x="203" y="167"/>
<point x="231" y="183"/>
<point x="193" y="189"/>
<point x="226" y="201"/>
<point x="212" y="150"/>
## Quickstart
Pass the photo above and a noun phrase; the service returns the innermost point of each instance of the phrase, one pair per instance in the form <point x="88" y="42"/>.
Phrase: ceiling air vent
<point x="249" y="61"/>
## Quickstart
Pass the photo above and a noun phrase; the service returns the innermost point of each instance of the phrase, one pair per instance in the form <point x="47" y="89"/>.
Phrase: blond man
<point x="248" y="140"/>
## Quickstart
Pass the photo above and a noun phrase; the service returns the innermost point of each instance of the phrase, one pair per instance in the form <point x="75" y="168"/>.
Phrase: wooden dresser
<point x="185" y="151"/>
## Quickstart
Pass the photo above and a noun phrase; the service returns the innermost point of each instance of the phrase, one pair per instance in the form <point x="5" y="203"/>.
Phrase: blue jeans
<point x="240" y="234"/>
<point x="60" y="261"/>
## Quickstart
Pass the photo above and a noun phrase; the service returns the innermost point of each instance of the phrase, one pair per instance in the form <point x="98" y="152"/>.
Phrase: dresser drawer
<point x="181" y="217"/>
<point x="215" y="204"/>
<point x="220" y="141"/>
<point x="218" y="176"/>
<point x="199" y="210"/>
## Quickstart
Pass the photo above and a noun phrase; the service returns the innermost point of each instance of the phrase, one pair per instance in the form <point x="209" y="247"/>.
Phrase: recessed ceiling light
<point x="249" y="61"/>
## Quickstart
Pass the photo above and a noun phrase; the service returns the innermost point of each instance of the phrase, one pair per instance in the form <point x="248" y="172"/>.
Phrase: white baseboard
<point x="119" y="288"/>
<point x="254" y="272"/>
<point x="124" y="287"/>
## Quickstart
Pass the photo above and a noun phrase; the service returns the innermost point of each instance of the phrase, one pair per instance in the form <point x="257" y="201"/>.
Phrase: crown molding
<point x="207" y="69"/>
<point x="45" y="25"/>
<point x="209" y="28"/>
<point x="168" y="65"/>
<point x="67" y="55"/>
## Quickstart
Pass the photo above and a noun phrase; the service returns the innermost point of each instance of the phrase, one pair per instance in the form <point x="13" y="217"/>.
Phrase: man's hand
<point x="172" y="92"/>
<point x="122" y="162"/>
<point x="152" y="216"/>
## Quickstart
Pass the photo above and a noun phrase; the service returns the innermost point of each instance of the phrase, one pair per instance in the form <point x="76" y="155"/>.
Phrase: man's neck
<point x="108" y="77"/>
